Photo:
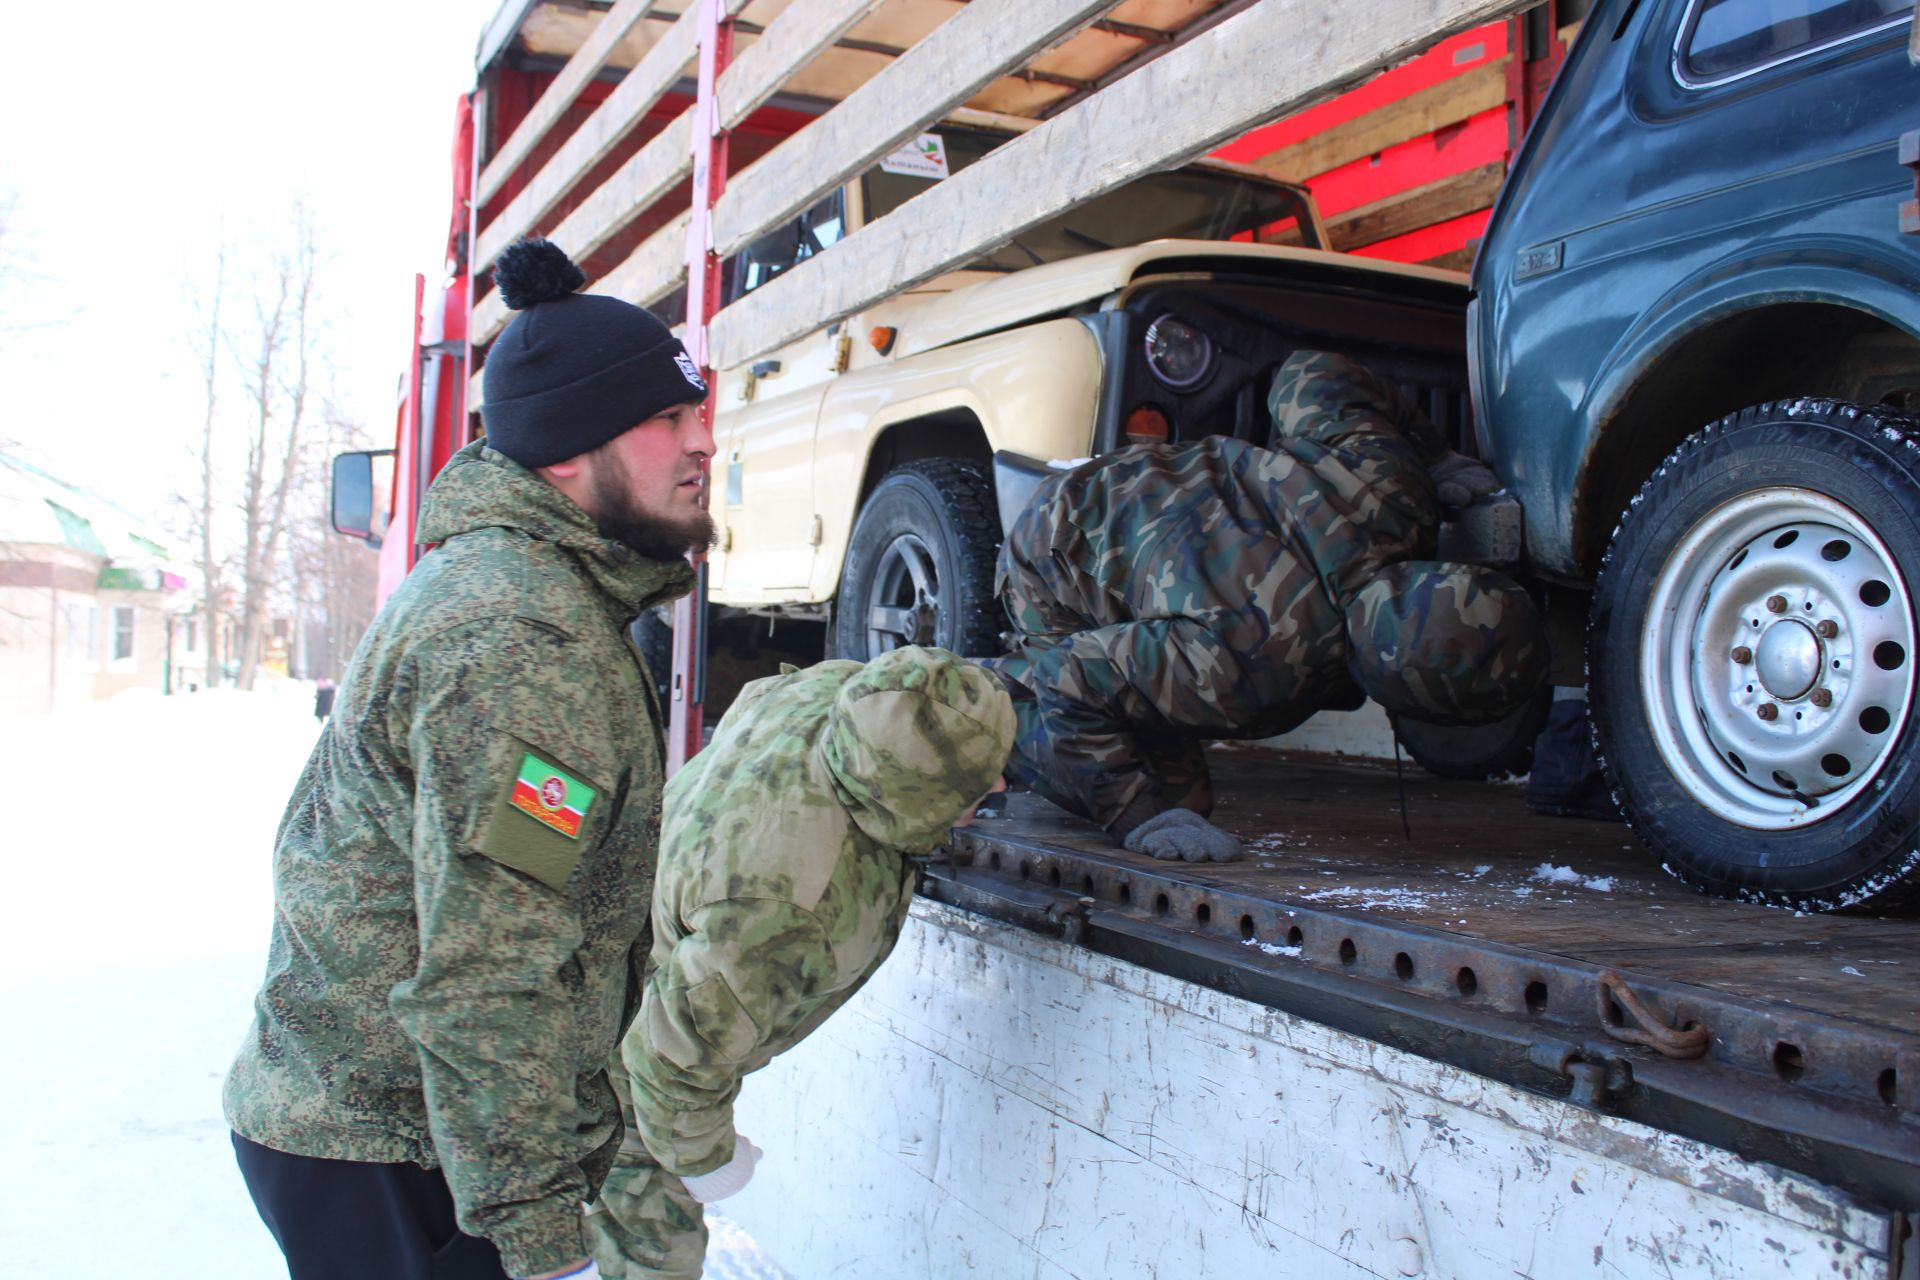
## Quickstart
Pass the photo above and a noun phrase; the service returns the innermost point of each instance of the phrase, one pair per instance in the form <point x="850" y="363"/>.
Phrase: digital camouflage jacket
<point x="463" y="877"/>
<point x="785" y="876"/>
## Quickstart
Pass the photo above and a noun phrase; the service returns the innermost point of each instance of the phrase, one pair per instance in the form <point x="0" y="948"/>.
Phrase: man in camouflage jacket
<point x="463" y="876"/>
<point x="1164" y="595"/>
<point x="786" y="869"/>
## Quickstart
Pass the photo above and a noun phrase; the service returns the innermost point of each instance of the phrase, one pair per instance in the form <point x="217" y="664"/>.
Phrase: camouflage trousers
<point x="1172" y="769"/>
<point x="643" y="1224"/>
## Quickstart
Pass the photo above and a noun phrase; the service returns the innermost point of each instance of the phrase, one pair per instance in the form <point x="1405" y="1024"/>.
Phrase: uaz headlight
<point x="1180" y="355"/>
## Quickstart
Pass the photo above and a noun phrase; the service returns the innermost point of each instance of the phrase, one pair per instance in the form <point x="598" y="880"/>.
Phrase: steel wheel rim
<point x="903" y="602"/>
<point x="1784" y="599"/>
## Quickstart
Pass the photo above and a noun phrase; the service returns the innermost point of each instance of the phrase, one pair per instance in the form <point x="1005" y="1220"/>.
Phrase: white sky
<point x="135" y="130"/>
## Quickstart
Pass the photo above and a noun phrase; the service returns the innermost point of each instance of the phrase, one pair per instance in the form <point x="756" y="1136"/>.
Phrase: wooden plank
<point x="633" y="187"/>
<point x="1271" y="60"/>
<point x="1416" y="207"/>
<point x="653" y="270"/>
<point x="580" y="70"/>
<point x="1456" y="260"/>
<point x="790" y="42"/>
<point x="1456" y="98"/>
<point x="953" y="63"/>
<point x="642" y="87"/>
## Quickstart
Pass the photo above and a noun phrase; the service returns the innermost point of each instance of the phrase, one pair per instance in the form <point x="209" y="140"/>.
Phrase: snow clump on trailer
<point x="1567" y="875"/>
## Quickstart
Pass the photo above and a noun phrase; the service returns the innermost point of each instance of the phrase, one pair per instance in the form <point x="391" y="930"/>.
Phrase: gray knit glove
<point x="1184" y="835"/>
<point x="1460" y="481"/>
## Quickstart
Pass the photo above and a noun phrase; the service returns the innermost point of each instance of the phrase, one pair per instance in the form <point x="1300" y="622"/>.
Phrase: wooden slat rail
<point x="952" y="63"/>
<point x="635" y="95"/>
<point x="581" y="68"/>
<point x="1430" y="202"/>
<point x="1454" y="99"/>
<point x="789" y="43"/>
<point x="643" y="179"/>
<point x="653" y="270"/>
<point x="1274" y="59"/>
<point x="657" y="267"/>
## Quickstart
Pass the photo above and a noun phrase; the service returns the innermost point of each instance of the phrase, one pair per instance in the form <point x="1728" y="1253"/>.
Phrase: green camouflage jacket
<point x="463" y="876"/>
<point x="1167" y="594"/>
<point x="785" y="871"/>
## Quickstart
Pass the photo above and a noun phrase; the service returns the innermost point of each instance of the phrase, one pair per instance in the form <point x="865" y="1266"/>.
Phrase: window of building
<point x="193" y="635"/>
<point x="1727" y="38"/>
<point x="122" y="632"/>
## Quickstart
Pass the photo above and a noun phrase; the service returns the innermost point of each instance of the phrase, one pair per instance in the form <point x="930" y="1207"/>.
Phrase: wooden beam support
<point x="1454" y="99"/>
<point x="790" y="41"/>
<point x="581" y="68"/>
<point x="1275" y="58"/>
<point x="1422" y="206"/>
<point x="636" y="94"/>
<point x="952" y="63"/>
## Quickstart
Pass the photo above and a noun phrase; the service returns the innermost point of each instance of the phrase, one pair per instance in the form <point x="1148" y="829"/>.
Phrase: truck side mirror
<point x="353" y="509"/>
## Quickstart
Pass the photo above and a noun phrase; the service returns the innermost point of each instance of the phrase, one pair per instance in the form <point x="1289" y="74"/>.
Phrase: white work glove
<point x="590" y="1271"/>
<point x="1182" y="834"/>
<point x="1460" y="481"/>
<point x="730" y="1178"/>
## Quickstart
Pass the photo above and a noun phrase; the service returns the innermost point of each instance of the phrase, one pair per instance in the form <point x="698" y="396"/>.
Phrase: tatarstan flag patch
<point x="550" y="795"/>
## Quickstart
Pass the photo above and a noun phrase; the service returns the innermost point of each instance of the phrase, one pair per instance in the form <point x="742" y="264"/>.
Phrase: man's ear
<point x="568" y="470"/>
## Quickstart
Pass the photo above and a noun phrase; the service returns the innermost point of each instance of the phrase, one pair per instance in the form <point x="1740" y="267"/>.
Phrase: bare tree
<point x="279" y="363"/>
<point x="335" y="578"/>
<point x="204" y="508"/>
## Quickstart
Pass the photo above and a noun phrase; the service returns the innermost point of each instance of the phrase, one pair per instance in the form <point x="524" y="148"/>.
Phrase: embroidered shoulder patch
<point x="549" y="795"/>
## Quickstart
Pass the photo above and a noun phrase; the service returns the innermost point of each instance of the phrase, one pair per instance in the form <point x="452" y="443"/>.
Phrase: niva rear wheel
<point x="1753" y="649"/>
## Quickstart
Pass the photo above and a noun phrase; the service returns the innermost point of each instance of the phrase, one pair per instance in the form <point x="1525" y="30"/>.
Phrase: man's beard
<point x="620" y="520"/>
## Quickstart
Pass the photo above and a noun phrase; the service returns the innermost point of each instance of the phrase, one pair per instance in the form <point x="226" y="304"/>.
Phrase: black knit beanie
<point x="574" y="370"/>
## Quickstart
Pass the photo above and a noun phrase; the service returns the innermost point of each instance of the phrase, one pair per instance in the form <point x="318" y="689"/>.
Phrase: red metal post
<point x="1535" y="52"/>
<point x="703" y="299"/>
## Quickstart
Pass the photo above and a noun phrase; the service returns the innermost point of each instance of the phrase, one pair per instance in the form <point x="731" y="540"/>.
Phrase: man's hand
<point x="585" y="1269"/>
<point x="1461" y="481"/>
<point x="730" y="1178"/>
<point x="1185" y="835"/>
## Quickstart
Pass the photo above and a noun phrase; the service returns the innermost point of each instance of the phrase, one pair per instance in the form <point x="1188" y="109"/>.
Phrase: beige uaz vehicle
<point x="855" y="478"/>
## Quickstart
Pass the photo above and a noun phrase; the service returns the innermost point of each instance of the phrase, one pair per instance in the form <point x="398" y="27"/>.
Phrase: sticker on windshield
<point x="924" y="157"/>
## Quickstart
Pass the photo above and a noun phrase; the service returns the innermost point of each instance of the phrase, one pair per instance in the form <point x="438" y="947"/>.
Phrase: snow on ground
<point x="132" y="934"/>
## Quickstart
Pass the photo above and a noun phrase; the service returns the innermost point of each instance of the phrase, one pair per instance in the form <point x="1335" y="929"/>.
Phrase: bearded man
<point x="463" y="877"/>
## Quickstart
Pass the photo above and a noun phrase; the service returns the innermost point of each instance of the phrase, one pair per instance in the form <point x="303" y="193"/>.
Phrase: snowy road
<point x="132" y="933"/>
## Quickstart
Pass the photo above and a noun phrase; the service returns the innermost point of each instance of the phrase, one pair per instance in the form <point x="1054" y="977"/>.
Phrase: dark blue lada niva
<point x="1695" y="349"/>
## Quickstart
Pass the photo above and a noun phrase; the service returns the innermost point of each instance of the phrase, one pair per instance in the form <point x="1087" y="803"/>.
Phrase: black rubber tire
<point x="944" y="507"/>
<point x="1864" y="855"/>
<point x="652" y="635"/>
<point x="1478" y="752"/>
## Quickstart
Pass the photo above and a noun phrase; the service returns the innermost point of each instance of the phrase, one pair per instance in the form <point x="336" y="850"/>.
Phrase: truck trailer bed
<point x="1444" y="918"/>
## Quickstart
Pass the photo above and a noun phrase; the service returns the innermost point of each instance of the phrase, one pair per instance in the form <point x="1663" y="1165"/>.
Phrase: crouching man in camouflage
<point x="1165" y="595"/>
<point x="786" y="869"/>
<point x="463" y="877"/>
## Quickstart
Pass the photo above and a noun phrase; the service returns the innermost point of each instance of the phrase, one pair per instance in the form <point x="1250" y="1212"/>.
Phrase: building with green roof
<point x="93" y="601"/>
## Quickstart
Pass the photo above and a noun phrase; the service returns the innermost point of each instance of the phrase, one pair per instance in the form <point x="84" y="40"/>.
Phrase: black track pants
<point x="345" y="1220"/>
